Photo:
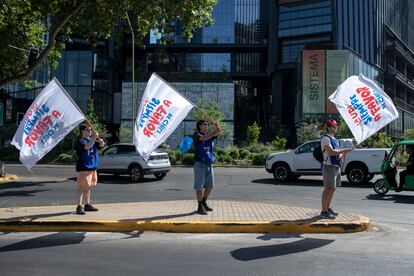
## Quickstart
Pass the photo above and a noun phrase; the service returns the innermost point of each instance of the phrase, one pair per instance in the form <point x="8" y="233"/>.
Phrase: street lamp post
<point x="133" y="75"/>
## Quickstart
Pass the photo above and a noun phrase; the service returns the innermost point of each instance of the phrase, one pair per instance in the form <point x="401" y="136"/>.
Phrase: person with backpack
<point x="203" y="163"/>
<point x="331" y="167"/>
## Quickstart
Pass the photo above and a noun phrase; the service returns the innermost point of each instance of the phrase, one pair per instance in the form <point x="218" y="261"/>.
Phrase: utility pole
<point x="133" y="75"/>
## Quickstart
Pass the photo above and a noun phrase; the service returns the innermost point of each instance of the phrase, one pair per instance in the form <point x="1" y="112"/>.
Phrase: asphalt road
<point x="387" y="250"/>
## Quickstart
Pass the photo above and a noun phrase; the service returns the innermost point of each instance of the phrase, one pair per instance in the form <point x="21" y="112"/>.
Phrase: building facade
<point x="253" y="62"/>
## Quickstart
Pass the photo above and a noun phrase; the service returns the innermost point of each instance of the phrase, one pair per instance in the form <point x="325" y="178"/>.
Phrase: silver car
<point x="123" y="158"/>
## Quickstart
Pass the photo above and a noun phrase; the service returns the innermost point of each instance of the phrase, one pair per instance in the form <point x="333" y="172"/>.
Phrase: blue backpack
<point x="185" y="144"/>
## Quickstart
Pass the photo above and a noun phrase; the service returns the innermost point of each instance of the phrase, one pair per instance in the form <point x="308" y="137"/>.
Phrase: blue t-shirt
<point x="203" y="150"/>
<point x="88" y="160"/>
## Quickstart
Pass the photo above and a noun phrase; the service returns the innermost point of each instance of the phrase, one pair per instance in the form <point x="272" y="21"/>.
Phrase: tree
<point x="94" y="120"/>
<point x="308" y="131"/>
<point x="253" y="133"/>
<point x="409" y="134"/>
<point x="213" y="112"/>
<point x="25" y="24"/>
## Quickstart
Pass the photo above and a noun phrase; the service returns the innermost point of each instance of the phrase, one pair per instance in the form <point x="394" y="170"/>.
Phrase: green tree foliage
<point x="308" y="131"/>
<point x="277" y="128"/>
<point x="94" y="120"/>
<point x="279" y="143"/>
<point x="253" y="133"/>
<point x="378" y="140"/>
<point x="343" y="130"/>
<point x="213" y="112"/>
<point x="125" y="134"/>
<point x="409" y="134"/>
<point x="25" y="24"/>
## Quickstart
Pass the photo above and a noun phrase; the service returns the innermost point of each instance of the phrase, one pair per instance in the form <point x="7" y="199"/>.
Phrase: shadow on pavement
<point x="21" y="193"/>
<point x="33" y="217"/>
<point x="267" y="251"/>
<point x="397" y="198"/>
<point x="18" y="184"/>
<point x="121" y="179"/>
<point x="52" y="240"/>
<point x="307" y="182"/>
<point x="162" y="217"/>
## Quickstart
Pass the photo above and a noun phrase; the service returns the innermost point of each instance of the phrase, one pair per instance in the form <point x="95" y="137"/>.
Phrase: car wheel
<point x="281" y="172"/>
<point x="380" y="187"/>
<point x="357" y="174"/>
<point x="135" y="173"/>
<point x="160" y="176"/>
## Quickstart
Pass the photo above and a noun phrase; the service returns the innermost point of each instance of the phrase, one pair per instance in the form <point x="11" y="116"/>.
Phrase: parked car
<point x="360" y="165"/>
<point x="123" y="158"/>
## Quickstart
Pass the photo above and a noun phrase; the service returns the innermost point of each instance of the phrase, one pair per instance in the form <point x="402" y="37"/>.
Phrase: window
<point x="309" y="147"/>
<point x="111" y="151"/>
<point x="126" y="149"/>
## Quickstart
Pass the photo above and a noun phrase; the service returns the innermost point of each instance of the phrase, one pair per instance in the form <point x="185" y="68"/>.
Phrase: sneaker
<point x="326" y="214"/>
<point x="90" y="208"/>
<point x="206" y="207"/>
<point x="201" y="210"/>
<point x="332" y="212"/>
<point x="79" y="210"/>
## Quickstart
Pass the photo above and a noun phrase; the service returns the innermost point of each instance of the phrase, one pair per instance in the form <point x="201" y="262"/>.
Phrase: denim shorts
<point x="203" y="176"/>
<point x="331" y="176"/>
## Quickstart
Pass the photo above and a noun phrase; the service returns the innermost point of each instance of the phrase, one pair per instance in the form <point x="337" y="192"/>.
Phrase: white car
<point x="360" y="165"/>
<point x="123" y="158"/>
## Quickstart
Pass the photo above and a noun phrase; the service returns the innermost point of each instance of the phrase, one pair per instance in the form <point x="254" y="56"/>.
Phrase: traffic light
<point x="33" y="55"/>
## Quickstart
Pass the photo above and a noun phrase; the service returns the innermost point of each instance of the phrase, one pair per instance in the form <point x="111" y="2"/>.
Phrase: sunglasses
<point x="88" y="129"/>
<point x="204" y="124"/>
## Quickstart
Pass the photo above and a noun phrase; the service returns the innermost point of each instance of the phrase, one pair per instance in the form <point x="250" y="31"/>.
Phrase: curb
<point x="9" y="177"/>
<point x="362" y="224"/>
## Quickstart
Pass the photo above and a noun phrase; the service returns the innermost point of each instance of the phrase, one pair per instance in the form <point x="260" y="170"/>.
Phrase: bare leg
<point x="207" y="192"/>
<point x="331" y="192"/>
<point x="199" y="195"/>
<point x="87" y="195"/>
<point x="79" y="195"/>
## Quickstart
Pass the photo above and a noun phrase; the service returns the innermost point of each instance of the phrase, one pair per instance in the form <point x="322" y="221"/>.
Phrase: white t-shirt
<point x="326" y="141"/>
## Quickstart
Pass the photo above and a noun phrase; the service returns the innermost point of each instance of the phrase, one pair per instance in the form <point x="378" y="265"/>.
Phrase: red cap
<point x="331" y="122"/>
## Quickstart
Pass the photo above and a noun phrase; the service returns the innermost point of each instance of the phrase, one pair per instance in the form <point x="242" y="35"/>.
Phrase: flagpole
<point x="133" y="74"/>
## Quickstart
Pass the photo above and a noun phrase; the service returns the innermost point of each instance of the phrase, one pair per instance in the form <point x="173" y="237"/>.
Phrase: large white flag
<point x="52" y="115"/>
<point x="364" y="106"/>
<point x="161" y="110"/>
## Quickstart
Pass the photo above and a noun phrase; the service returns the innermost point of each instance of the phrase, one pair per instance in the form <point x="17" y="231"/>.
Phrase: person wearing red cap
<point x="331" y="167"/>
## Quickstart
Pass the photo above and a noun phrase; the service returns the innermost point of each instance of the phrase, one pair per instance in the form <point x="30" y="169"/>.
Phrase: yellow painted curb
<point x="9" y="177"/>
<point x="362" y="224"/>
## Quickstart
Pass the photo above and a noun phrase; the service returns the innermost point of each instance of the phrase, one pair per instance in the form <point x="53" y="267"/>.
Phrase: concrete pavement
<point x="180" y="216"/>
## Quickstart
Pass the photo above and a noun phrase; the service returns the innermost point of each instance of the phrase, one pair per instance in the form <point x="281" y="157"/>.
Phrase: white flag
<point x="365" y="107"/>
<point x="52" y="115"/>
<point x="161" y="110"/>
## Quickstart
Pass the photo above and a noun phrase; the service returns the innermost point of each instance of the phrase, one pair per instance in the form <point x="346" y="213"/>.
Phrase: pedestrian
<point x="331" y="167"/>
<point x="203" y="167"/>
<point x="86" y="147"/>
<point x="409" y="170"/>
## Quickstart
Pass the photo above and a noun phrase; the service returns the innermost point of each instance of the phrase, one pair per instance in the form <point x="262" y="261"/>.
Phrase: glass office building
<point x="255" y="52"/>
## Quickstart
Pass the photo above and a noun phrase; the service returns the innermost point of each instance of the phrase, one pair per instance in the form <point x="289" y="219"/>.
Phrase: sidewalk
<point x="180" y="216"/>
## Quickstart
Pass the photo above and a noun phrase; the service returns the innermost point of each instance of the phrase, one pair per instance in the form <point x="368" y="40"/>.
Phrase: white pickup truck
<point x="360" y="165"/>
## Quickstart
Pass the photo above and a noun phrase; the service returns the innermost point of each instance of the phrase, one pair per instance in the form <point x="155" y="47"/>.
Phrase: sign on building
<point x="314" y="92"/>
